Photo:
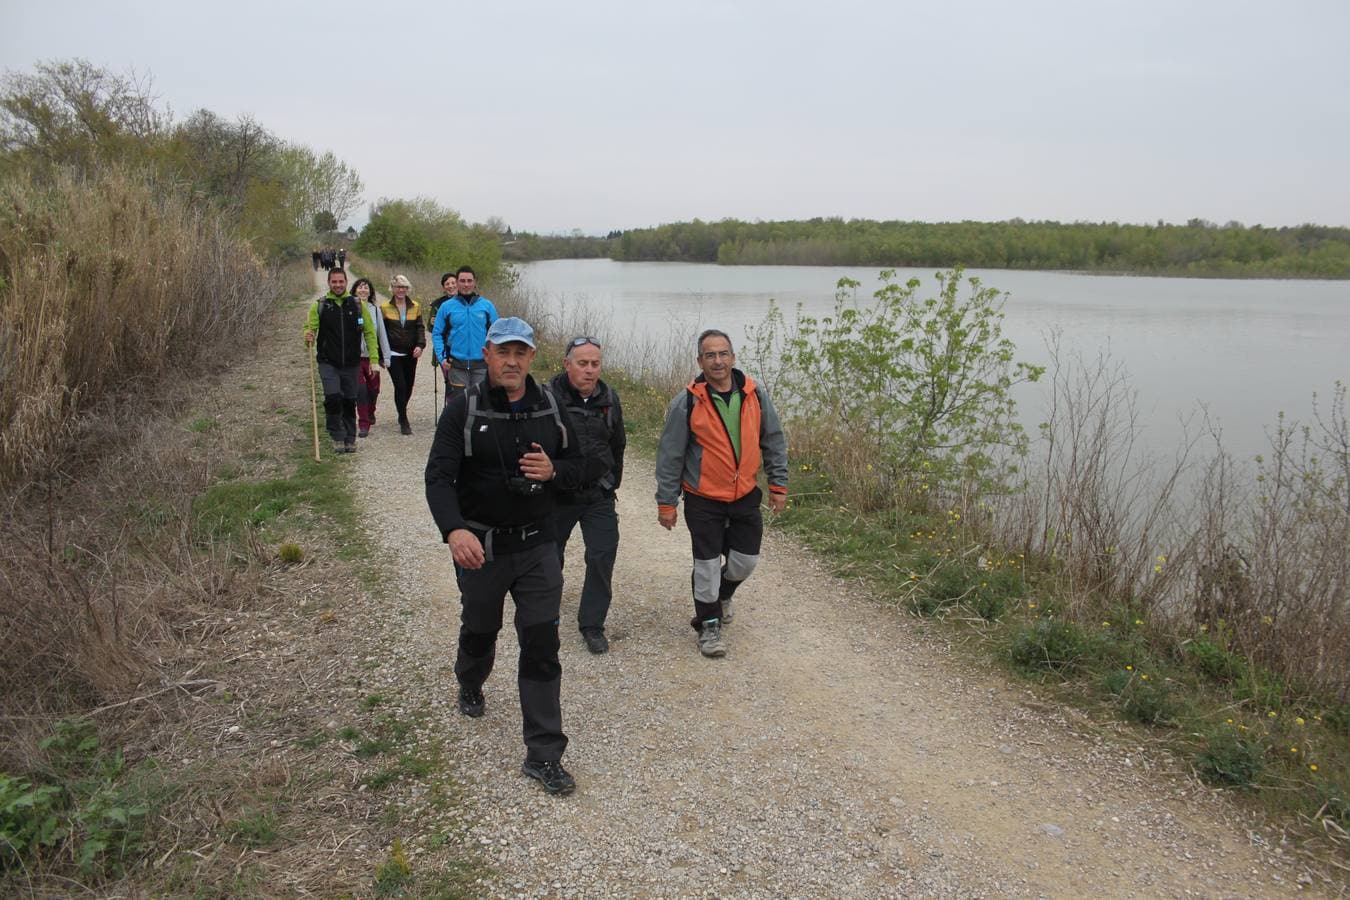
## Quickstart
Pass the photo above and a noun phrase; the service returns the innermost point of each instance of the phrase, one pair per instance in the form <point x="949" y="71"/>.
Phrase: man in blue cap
<point x="500" y="451"/>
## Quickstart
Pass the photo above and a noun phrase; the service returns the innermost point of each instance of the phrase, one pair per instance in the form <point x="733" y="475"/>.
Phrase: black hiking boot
<point x="471" y="701"/>
<point x="551" y="775"/>
<point x="404" y="428"/>
<point x="595" y="639"/>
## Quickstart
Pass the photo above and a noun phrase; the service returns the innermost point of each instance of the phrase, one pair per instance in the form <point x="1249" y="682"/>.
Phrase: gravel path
<point x="838" y="750"/>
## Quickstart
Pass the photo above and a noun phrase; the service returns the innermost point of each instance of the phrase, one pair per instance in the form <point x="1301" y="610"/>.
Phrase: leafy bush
<point x="1229" y="760"/>
<point x="1051" y="645"/>
<point x="1143" y="699"/>
<point x="91" y="806"/>
<point x="28" y="818"/>
<point x="924" y="386"/>
<point x="1215" y="661"/>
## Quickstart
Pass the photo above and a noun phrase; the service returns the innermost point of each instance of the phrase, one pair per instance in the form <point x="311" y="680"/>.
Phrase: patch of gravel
<point x="838" y="750"/>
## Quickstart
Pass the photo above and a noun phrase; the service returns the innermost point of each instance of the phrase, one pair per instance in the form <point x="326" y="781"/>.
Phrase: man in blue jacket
<point x="459" y="332"/>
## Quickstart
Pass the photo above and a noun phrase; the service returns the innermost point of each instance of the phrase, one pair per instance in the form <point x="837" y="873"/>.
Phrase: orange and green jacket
<point x="696" y="454"/>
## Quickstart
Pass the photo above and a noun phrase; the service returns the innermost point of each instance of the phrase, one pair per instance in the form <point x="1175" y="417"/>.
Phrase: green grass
<point x="256" y="828"/>
<point x="1239" y="726"/>
<point x="228" y="510"/>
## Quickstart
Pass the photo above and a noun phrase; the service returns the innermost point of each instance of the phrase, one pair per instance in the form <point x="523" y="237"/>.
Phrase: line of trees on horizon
<point x="1197" y="248"/>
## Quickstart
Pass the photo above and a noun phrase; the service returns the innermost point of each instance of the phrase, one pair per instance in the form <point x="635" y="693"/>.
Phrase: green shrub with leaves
<point x="1142" y="698"/>
<point x="925" y="385"/>
<point x="91" y="806"/>
<point x="1052" y="645"/>
<point x="1229" y="759"/>
<point x="28" y="818"/>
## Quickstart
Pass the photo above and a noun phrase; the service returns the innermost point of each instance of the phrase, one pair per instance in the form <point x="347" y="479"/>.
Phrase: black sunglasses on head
<point x="583" y="341"/>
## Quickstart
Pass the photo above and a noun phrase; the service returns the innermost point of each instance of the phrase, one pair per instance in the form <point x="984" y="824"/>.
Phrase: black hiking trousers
<point x="403" y="372"/>
<point x="726" y="538"/>
<point x="533" y="578"/>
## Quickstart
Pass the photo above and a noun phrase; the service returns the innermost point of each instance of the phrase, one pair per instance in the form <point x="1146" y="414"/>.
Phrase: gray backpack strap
<point x="468" y="420"/>
<point x="557" y="416"/>
<point x="474" y="412"/>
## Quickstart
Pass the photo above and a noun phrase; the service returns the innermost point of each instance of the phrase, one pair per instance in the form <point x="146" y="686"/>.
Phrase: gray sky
<point x="595" y="114"/>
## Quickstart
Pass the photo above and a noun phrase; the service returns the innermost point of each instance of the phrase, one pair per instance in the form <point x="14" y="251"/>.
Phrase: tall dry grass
<point x="118" y="296"/>
<point x="112" y="283"/>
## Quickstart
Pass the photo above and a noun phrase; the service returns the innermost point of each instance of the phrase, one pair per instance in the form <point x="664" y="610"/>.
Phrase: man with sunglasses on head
<point x="458" y="333"/>
<point x="718" y="431"/>
<point x="599" y="422"/>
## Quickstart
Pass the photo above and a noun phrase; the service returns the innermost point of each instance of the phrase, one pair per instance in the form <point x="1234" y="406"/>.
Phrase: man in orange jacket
<point x="718" y="432"/>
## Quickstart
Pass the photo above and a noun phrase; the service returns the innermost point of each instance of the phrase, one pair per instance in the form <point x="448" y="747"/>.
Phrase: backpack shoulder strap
<point x="472" y="395"/>
<point x="557" y="416"/>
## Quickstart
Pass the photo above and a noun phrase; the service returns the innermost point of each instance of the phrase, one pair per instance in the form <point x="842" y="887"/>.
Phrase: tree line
<point x="72" y="117"/>
<point x="1197" y="248"/>
<point x="425" y="235"/>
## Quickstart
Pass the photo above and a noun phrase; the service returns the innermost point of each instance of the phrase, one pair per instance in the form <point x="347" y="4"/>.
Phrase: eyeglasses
<point x="583" y="341"/>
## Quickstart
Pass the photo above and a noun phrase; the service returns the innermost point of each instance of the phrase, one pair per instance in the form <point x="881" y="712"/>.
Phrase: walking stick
<point x="435" y="400"/>
<point x="314" y="405"/>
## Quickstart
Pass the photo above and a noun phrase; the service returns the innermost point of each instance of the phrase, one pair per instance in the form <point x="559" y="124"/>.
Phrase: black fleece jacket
<point x="461" y="488"/>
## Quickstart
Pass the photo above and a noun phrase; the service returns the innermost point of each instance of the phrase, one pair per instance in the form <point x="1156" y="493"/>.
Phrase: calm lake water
<point x="1244" y="349"/>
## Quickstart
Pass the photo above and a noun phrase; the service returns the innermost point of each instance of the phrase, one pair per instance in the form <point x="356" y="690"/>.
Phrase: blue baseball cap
<point x="505" y="331"/>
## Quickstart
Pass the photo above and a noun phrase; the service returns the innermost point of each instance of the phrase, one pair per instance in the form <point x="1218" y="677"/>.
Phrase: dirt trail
<point x="839" y="749"/>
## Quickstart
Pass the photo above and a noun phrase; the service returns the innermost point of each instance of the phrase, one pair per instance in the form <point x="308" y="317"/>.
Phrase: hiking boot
<point x="404" y="428"/>
<point x="349" y="447"/>
<point x="339" y="448"/>
<point x="595" y="640"/>
<point x="551" y="775"/>
<point x="726" y="611"/>
<point x="471" y="701"/>
<point x="710" y="639"/>
<point x="364" y="432"/>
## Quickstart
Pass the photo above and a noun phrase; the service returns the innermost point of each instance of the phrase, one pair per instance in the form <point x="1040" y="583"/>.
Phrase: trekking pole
<point x="435" y="390"/>
<point x="314" y="405"/>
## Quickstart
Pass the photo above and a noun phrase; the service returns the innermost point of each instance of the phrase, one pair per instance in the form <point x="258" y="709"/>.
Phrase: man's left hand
<point x="417" y="353"/>
<point x="777" y="502"/>
<point x="536" y="465"/>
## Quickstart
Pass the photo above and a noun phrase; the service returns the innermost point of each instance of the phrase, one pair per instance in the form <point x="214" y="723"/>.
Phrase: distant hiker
<point x="368" y="385"/>
<point x="600" y="433"/>
<point x="342" y="257"/>
<point x="315" y="257"/>
<point x="326" y="259"/>
<point x="448" y="289"/>
<point x="461" y="325"/>
<point x="716" y="433"/>
<point x="402" y="318"/>
<point x="500" y="449"/>
<point x="339" y="329"/>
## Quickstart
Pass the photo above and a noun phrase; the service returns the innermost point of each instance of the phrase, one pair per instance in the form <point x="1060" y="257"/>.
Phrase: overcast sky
<point x="595" y="115"/>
